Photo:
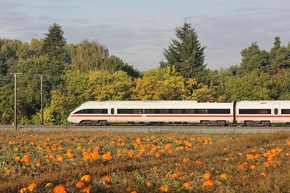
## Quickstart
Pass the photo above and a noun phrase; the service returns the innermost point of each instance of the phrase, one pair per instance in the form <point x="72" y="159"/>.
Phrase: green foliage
<point x="186" y="54"/>
<point x="75" y="73"/>
<point x="159" y="84"/>
<point x="107" y="86"/>
<point x="6" y="104"/>
<point x="253" y="59"/>
<point x="199" y="91"/>
<point x="252" y="86"/>
<point x="86" y="56"/>
<point x="54" y="43"/>
<point x="82" y="87"/>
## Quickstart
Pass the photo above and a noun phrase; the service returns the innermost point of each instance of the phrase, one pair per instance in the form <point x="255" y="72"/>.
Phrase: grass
<point x="144" y="162"/>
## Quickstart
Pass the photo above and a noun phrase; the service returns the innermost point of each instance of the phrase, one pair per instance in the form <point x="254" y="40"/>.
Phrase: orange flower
<point x="107" y="179"/>
<point x="95" y="155"/>
<point x="87" y="156"/>
<point x="266" y="164"/>
<point x="176" y="175"/>
<point x="277" y="164"/>
<point x="192" y="174"/>
<point x="264" y="174"/>
<point x="80" y="184"/>
<point x="149" y="184"/>
<point x="38" y="164"/>
<point x="198" y="162"/>
<point x="48" y="185"/>
<point x="252" y="167"/>
<point x="59" y="189"/>
<point x="25" y="159"/>
<point x="164" y="188"/>
<point x="187" y="185"/>
<point x="69" y="153"/>
<point x="107" y="156"/>
<point x="224" y="176"/>
<point x="23" y="190"/>
<point x="206" y="176"/>
<point x="131" y="153"/>
<point x="32" y="187"/>
<point x="208" y="183"/>
<point x="17" y="157"/>
<point x="250" y="157"/>
<point x="86" y="178"/>
<point x="59" y="157"/>
<point x="244" y="177"/>
<point x="87" y="190"/>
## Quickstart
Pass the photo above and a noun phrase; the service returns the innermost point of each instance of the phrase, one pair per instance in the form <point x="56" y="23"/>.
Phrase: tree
<point x="120" y="65"/>
<point x="159" y="84"/>
<point x="54" y="43"/>
<point x="253" y="58"/>
<point x="91" y="56"/>
<point x="87" y="56"/>
<point x="186" y="54"/>
<point x="251" y="86"/>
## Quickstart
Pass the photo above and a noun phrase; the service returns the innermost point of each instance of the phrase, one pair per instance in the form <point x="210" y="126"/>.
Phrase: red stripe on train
<point x="156" y="116"/>
<point x="263" y="116"/>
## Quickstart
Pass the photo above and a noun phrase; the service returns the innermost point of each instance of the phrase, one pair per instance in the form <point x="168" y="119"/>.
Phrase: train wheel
<point x="249" y="123"/>
<point x="266" y="123"/>
<point x="221" y="123"/>
<point x="103" y="122"/>
<point x="205" y="122"/>
<point x="82" y="123"/>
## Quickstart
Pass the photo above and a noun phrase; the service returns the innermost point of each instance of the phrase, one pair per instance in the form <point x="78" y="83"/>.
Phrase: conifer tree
<point x="186" y="54"/>
<point x="54" y="43"/>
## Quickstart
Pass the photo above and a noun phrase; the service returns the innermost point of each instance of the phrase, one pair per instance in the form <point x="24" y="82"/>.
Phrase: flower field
<point x="91" y="161"/>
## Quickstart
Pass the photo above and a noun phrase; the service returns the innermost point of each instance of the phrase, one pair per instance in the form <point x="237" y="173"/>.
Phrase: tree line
<point x="75" y="73"/>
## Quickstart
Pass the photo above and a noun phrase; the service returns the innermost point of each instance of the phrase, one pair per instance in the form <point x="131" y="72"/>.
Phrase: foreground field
<point x="90" y="161"/>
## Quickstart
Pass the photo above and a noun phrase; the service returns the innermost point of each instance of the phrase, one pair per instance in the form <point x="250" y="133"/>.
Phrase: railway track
<point x="182" y="129"/>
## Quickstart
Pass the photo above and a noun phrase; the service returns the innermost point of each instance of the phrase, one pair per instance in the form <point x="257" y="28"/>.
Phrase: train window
<point x="218" y="111"/>
<point x="177" y="111"/>
<point x="285" y="111"/>
<point x="276" y="111"/>
<point x="92" y="111"/>
<point x="201" y="111"/>
<point x="254" y="111"/>
<point x="150" y="111"/>
<point x="112" y="111"/>
<point x="130" y="111"/>
<point x="189" y="111"/>
<point x="164" y="111"/>
<point x="80" y="112"/>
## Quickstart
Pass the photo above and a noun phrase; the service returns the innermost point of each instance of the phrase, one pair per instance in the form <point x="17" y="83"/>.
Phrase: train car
<point x="262" y="113"/>
<point x="152" y="112"/>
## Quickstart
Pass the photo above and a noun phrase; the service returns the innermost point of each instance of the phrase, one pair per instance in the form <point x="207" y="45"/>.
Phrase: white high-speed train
<point x="251" y="113"/>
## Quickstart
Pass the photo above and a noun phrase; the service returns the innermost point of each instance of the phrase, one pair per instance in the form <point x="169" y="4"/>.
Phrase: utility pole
<point x="15" y="99"/>
<point x="41" y="99"/>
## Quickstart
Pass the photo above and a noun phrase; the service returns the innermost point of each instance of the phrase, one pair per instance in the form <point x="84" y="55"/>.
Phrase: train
<point x="248" y="113"/>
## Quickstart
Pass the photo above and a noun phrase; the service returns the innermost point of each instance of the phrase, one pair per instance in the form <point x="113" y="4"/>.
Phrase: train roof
<point x="266" y="101"/>
<point x="151" y="103"/>
<point x="148" y="102"/>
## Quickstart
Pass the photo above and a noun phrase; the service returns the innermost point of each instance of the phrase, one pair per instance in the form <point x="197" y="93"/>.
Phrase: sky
<point x="138" y="31"/>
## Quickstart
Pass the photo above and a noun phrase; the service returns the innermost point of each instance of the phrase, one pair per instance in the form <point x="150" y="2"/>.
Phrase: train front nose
<point x="70" y="119"/>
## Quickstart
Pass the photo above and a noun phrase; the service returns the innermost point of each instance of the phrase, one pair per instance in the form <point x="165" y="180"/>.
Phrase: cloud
<point x="138" y="36"/>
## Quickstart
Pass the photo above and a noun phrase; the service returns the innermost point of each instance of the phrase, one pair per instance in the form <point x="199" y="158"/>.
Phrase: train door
<point x="276" y="111"/>
<point x="113" y="113"/>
